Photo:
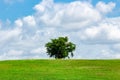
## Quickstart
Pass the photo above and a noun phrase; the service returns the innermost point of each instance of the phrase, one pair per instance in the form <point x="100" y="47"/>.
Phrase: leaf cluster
<point x="60" y="48"/>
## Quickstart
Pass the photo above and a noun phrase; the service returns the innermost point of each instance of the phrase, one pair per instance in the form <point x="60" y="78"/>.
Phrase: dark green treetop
<point x="60" y="48"/>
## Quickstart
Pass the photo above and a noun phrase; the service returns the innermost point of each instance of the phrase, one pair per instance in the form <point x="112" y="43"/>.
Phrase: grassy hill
<point x="60" y="70"/>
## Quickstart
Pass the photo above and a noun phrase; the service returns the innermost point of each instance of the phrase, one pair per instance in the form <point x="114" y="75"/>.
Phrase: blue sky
<point x="14" y="10"/>
<point x="26" y="25"/>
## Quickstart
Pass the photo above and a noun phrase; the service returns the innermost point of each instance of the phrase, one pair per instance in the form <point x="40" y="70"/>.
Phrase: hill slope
<point x="60" y="70"/>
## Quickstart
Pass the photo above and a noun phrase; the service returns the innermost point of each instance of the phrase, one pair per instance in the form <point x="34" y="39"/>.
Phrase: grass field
<point x="60" y="70"/>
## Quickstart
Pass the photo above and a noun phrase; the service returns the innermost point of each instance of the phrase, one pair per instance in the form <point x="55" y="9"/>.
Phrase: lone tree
<point x="60" y="48"/>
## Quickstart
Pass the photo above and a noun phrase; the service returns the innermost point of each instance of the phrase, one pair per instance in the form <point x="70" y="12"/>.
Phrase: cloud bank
<point x="95" y="34"/>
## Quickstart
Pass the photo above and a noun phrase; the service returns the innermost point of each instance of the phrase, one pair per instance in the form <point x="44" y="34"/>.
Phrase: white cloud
<point x="92" y="32"/>
<point x="19" y="23"/>
<point x="29" y="21"/>
<point x="71" y="16"/>
<point x="40" y="50"/>
<point x="14" y="53"/>
<point x="105" y="8"/>
<point x="41" y="7"/>
<point x="7" y="35"/>
<point x="107" y="31"/>
<point x="110" y="54"/>
<point x="79" y="20"/>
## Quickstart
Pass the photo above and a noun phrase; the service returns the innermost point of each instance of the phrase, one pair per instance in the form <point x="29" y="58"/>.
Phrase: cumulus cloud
<point x="18" y="23"/>
<point x="7" y="35"/>
<point x="105" y="32"/>
<point x="105" y="8"/>
<point x="29" y="21"/>
<point x="71" y="16"/>
<point x="79" y="20"/>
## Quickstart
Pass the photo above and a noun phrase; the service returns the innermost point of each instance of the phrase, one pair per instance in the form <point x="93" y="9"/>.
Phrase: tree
<point x="60" y="48"/>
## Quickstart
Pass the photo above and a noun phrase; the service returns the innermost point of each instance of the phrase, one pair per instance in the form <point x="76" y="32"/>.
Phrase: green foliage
<point x="60" y="48"/>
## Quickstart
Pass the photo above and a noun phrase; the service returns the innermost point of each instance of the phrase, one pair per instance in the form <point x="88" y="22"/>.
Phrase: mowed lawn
<point x="60" y="70"/>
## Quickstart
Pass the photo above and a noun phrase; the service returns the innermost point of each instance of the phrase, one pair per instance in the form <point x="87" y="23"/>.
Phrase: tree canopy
<point x="60" y="48"/>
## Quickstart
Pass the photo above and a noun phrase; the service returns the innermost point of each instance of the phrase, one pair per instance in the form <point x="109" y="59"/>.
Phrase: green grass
<point x="60" y="70"/>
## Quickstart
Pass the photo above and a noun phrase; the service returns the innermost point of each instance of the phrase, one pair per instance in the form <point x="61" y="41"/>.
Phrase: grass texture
<point x="60" y="70"/>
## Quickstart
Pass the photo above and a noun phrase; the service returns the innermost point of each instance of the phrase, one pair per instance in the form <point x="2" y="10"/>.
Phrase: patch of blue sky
<point x="17" y="9"/>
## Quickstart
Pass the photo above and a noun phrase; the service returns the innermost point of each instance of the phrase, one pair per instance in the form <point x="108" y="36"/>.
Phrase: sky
<point x="27" y="25"/>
